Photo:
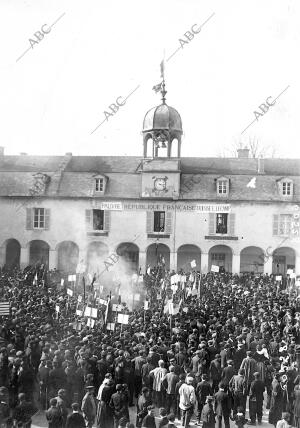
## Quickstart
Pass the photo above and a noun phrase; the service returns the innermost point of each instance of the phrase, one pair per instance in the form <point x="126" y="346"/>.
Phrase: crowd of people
<point x="229" y="348"/>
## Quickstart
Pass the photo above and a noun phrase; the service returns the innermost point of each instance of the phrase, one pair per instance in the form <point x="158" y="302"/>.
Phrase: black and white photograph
<point x="149" y="214"/>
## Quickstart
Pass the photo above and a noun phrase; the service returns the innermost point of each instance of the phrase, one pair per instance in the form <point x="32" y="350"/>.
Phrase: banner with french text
<point x="182" y="207"/>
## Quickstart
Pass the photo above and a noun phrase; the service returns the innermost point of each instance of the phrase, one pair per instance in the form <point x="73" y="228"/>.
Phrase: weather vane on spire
<point x="161" y="87"/>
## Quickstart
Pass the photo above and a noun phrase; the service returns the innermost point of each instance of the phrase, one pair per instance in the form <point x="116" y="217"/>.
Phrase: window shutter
<point x="150" y="222"/>
<point x="29" y="219"/>
<point x="231" y="224"/>
<point x="169" y="217"/>
<point x="47" y="219"/>
<point x="275" y="224"/>
<point x="106" y="225"/>
<point x="211" y="224"/>
<point x="88" y="218"/>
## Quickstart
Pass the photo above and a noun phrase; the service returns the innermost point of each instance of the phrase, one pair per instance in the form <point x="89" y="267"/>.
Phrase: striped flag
<point x="4" y="308"/>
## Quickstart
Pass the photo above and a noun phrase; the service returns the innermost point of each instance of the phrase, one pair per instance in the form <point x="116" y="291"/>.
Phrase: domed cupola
<point x="162" y="125"/>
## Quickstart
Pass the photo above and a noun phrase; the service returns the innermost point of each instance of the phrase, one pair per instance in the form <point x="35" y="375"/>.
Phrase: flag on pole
<point x="157" y="88"/>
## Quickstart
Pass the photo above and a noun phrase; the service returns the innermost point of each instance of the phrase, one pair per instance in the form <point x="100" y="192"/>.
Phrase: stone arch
<point x="157" y="251"/>
<point x="12" y="253"/>
<point x="39" y="252"/>
<point x="129" y="252"/>
<point x="67" y="256"/>
<point x="186" y="254"/>
<point x="220" y="255"/>
<point x="252" y="259"/>
<point x="284" y="258"/>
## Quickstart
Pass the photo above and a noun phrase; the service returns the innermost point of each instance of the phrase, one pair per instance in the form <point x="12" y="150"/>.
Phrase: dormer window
<point x="285" y="187"/>
<point x="222" y="184"/>
<point x="99" y="184"/>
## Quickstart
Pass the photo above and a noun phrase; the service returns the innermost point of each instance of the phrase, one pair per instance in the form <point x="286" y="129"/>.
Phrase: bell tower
<point x="162" y="134"/>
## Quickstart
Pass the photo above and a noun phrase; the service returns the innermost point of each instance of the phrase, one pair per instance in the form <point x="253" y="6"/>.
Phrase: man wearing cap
<point x="250" y="367"/>
<point x="208" y="414"/>
<point x="256" y="398"/>
<point x="215" y="371"/>
<point x="222" y="406"/>
<point x="238" y="388"/>
<point x="119" y="405"/>
<point x="227" y="373"/>
<point x="203" y="390"/>
<point x="88" y="407"/>
<point x="169" y="383"/>
<point x="61" y="404"/>
<point x="75" y="419"/>
<point x="187" y="400"/>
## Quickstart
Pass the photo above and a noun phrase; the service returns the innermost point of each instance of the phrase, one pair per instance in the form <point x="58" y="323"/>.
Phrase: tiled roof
<point x="73" y="176"/>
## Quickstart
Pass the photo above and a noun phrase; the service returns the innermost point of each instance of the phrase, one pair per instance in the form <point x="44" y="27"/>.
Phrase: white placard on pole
<point x="79" y="312"/>
<point x="214" y="268"/>
<point x="57" y="308"/>
<point x="69" y="292"/>
<point x="79" y="299"/>
<point x="278" y="277"/>
<point x="94" y="313"/>
<point x="110" y="326"/>
<point x="62" y="281"/>
<point x="123" y="318"/>
<point x="146" y="305"/>
<point x="88" y="311"/>
<point x="116" y="308"/>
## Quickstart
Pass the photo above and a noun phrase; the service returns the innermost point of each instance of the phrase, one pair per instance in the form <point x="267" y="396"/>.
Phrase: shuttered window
<point x="221" y="224"/>
<point x="150" y="222"/>
<point x="232" y="224"/>
<point x="97" y="220"/>
<point x="106" y="220"/>
<point x="169" y="218"/>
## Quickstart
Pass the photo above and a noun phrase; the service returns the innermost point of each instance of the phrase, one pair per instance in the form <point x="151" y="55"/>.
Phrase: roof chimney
<point x="1" y="151"/>
<point x="23" y="154"/>
<point x="68" y="154"/>
<point x="243" y="153"/>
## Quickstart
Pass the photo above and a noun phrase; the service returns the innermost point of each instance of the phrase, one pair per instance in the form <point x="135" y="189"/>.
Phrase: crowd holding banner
<point x="208" y="346"/>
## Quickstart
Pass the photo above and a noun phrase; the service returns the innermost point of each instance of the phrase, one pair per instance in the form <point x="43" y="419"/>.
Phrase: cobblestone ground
<point x="39" y="420"/>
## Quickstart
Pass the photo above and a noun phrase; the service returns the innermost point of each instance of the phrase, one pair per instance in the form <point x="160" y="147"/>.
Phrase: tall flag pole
<point x="161" y="87"/>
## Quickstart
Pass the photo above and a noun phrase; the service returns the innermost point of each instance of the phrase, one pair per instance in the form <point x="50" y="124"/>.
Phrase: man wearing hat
<point x="89" y="407"/>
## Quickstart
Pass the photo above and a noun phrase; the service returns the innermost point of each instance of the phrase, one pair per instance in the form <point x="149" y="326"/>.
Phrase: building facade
<point x="240" y="213"/>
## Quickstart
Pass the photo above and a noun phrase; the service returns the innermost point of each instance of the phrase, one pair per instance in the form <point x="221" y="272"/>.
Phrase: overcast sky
<point x="54" y="96"/>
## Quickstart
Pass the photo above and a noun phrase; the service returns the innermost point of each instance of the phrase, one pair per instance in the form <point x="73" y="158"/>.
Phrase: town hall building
<point x="241" y="213"/>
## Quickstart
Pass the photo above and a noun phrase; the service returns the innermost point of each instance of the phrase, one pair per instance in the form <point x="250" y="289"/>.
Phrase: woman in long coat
<point x="104" y="412"/>
<point x="276" y="404"/>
